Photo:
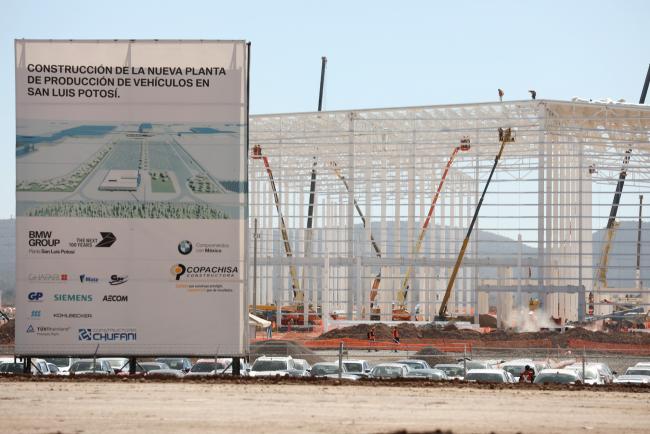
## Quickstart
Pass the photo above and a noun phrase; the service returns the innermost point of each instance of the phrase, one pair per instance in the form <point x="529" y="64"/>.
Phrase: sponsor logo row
<point x="113" y="279"/>
<point x="87" y="334"/>
<point x="186" y="247"/>
<point x="38" y="296"/>
<point x="45" y="242"/>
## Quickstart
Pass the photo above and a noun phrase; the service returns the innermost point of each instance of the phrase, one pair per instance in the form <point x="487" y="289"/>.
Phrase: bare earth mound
<point x="281" y="348"/>
<point x="429" y="331"/>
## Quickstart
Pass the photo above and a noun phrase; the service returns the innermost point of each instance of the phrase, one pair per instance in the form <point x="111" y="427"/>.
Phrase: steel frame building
<point x="537" y="233"/>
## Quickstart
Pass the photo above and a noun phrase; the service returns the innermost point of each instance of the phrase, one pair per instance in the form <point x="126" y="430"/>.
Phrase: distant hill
<point x="8" y="260"/>
<point x="622" y="259"/>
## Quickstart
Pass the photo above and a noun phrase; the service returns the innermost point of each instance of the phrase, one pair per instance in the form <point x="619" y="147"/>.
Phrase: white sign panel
<point x="131" y="197"/>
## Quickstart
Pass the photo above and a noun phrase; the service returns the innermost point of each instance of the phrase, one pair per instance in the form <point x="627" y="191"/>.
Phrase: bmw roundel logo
<point x="184" y="247"/>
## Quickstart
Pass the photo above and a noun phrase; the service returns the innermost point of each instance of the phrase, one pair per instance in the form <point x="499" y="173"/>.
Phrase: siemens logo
<point x="73" y="297"/>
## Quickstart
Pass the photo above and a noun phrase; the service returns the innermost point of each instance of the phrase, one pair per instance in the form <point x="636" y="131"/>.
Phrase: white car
<point x="118" y="364"/>
<point x="494" y="375"/>
<point x="91" y="367"/>
<point x="303" y="366"/>
<point x="558" y="376"/>
<point x="415" y="364"/>
<point x="41" y="366"/>
<point x="206" y="367"/>
<point x="632" y="379"/>
<point x="638" y="370"/>
<point x="516" y="367"/>
<point x="358" y="367"/>
<point x="453" y="370"/>
<point x="63" y="363"/>
<point x="331" y="370"/>
<point x="591" y="375"/>
<point x="274" y="366"/>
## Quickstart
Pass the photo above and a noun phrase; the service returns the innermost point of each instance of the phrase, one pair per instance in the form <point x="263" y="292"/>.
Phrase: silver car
<point x="389" y="370"/>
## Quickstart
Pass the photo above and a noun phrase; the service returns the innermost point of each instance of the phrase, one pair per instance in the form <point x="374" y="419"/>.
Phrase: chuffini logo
<point x="107" y="239"/>
<point x="178" y="270"/>
<point x="185" y="247"/>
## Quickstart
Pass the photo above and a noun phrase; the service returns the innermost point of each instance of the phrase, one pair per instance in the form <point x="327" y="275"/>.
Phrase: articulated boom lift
<point x="612" y="225"/>
<point x="298" y="294"/>
<point x="375" y="311"/>
<point x="505" y="136"/>
<point x="401" y="313"/>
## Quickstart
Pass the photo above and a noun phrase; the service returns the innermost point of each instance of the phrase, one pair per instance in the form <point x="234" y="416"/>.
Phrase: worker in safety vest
<point x="395" y="336"/>
<point x="371" y="336"/>
<point x="527" y="376"/>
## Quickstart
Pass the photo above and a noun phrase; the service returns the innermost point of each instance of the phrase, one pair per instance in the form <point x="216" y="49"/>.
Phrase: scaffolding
<point x="539" y="234"/>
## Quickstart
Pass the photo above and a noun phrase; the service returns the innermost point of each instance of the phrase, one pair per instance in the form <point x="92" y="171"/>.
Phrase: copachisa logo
<point x="178" y="270"/>
<point x="203" y="271"/>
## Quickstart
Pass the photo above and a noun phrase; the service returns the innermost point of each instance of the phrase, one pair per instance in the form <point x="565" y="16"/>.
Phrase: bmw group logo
<point x="184" y="247"/>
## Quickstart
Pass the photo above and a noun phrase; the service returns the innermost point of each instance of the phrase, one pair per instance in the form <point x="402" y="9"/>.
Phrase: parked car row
<point x="593" y="373"/>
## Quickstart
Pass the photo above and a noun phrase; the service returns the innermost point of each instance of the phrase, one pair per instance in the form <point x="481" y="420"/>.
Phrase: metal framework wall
<point x="535" y="230"/>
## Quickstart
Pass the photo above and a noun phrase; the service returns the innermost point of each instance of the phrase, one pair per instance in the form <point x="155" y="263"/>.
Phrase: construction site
<point x="530" y="212"/>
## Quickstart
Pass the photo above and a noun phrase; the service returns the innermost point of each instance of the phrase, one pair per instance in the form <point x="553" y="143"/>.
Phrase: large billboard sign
<point x="131" y="197"/>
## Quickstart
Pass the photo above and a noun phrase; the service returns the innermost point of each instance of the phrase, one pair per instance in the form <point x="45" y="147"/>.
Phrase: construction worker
<point x="527" y="376"/>
<point x="395" y="336"/>
<point x="269" y="330"/>
<point x="371" y="336"/>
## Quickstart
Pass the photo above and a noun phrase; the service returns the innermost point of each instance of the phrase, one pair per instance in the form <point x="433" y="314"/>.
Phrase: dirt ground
<point x="171" y="407"/>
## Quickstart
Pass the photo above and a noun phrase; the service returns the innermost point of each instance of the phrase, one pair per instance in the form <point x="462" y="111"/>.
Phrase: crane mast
<point x="505" y="136"/>
<point x="374" y="289"/>
<point x="612" y="225"/>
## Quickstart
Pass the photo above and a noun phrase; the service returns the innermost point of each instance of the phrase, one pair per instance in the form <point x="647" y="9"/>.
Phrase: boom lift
<point x="298" y="294"/>
<point x="601" y="276"/>
<point x="612" y="225"/>
<point x="401" y="313"/>
<point x="375" y="311"/>
<point x="505" y="136"/>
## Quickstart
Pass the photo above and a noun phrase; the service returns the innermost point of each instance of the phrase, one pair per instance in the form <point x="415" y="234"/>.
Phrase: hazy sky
<point x="380" y="53"/>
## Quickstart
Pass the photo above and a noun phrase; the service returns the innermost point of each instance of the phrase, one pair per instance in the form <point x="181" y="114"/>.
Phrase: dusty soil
<point x="240" y="407"/>
<point x="7" y="332"/>
<point x="279" y="347"/>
